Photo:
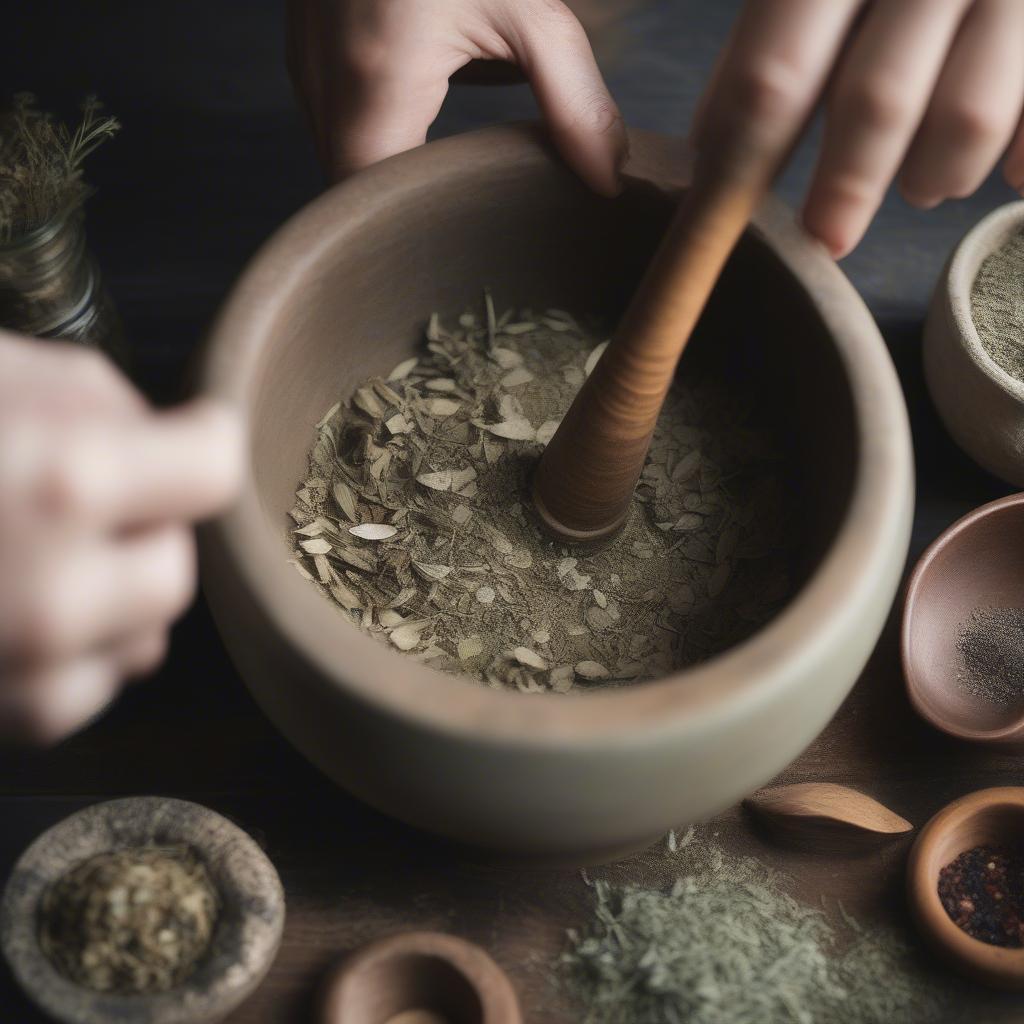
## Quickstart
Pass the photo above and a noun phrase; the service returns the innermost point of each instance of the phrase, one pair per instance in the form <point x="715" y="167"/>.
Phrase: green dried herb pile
<point x="416" y="520"/>
<point x="725" y="944"/>
<point x="41" y="162"/>
<point x="130" y="921"/>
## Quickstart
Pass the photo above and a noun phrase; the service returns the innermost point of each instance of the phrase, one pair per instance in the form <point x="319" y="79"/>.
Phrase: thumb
<point x="551" y="47"/>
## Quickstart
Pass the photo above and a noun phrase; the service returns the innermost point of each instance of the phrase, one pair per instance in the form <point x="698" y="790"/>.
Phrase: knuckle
<point x="846" y="190"/>
<point x="598" y="113"/>
<point x="766" y="90"/>
<point x="555" y="14"/>
<point x="877" y="103"/>
<point x="969" y="124"/>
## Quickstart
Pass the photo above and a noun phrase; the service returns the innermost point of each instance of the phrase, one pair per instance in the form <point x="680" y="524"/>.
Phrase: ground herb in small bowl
<point x="130" y="921"/>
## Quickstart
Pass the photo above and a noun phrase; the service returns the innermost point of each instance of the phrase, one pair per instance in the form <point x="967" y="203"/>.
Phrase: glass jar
<point x="50" y="287"/>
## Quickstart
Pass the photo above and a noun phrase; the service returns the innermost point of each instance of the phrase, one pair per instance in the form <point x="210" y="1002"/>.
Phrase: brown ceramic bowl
<point x="987" y="817"/>
<point x="343" y="291"/>
<point x="978" y="562"/>
<point x="981" y="405"/>
<point x="419" y="978"/>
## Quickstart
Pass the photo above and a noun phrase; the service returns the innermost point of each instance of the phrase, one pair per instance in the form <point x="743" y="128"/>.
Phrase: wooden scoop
<point x="586" y="477"/>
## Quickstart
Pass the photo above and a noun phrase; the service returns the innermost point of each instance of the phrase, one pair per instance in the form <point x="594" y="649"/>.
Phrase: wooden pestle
<point x="585" y="480"/>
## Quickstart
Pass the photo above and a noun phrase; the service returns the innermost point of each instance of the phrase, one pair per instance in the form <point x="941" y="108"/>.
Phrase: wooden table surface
<point x="212" y="158"/>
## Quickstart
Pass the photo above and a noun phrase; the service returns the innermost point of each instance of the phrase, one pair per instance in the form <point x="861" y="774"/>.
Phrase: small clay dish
<point x="989" y="817"/>
<point x="244" y="944"/>
<point x="419" y="978"/>
<point x="978" y="562"/>
<point x="981" y="404"/>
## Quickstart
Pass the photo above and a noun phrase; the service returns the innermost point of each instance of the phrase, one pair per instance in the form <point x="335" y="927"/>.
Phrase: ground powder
<point x="997" y="306"/>
<point x="416" y="520"/>
<point x="991" y="648"/>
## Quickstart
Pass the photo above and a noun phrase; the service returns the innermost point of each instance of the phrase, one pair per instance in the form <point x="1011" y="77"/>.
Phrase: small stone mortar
<point x="244" y="943"/>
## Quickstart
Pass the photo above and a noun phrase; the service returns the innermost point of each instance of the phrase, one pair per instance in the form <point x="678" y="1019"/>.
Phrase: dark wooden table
<point x="212" y="158"/>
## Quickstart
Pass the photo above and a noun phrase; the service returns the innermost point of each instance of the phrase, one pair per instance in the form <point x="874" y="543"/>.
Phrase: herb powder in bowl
<point x="997" y="306"/>
<point x="131" y="921"/>
<point x="415" y="516"/>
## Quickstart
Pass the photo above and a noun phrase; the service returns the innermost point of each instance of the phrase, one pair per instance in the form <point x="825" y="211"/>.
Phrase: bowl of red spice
<point x="965" y="879"/>
<point x="962" y="640"/>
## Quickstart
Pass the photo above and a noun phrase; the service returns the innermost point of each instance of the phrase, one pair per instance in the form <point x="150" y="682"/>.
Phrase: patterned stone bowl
<point x="342" y="292"/>
<point x="243" y="946"/>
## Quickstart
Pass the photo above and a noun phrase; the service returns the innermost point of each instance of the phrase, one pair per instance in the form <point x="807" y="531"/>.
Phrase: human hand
<point x="929" y="91"/>
<point x="372" y="75"/>
<point x="96" y="556"/>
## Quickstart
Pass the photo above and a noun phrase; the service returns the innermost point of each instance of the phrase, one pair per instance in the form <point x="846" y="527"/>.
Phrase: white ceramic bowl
<point x="981" y="405"/>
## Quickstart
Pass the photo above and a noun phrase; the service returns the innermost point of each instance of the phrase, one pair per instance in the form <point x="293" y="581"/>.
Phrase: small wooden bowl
<point x="981" y="405"/>
<point x="419" y="978"/>
<point x="977" y="562"/>
<point x="989" y="816"/>
<point x="243" y="946"/>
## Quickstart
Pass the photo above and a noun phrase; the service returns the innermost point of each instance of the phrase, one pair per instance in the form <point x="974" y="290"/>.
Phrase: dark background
<point x="213" y="156"/>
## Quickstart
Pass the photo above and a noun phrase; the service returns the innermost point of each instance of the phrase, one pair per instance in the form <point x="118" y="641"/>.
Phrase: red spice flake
<point x="983" y="893"/>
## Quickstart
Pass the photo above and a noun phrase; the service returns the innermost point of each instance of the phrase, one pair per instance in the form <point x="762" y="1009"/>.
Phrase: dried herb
<point x="41" y="162"/>
<point x="726" y="944"/>
<point x="415" y="517"/>
<point x="131" y="921"/>
<point x="991" y="648"/>
<point x="983" y="893"/>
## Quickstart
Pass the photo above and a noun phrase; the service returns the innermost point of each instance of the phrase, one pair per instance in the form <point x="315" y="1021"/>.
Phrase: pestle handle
<point x="585" y="481"/>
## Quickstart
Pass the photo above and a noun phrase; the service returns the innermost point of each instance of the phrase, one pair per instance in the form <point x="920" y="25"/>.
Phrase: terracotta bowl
<point x="343" y="290"/>
<point x="978" y="562"/>
<point x="987" y="817"/>
<point x="980" y="403"/>
<point x="419" y="978"/>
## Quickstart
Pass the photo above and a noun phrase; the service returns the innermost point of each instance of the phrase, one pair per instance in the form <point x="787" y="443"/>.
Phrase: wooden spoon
<point x="586" y="477"/>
